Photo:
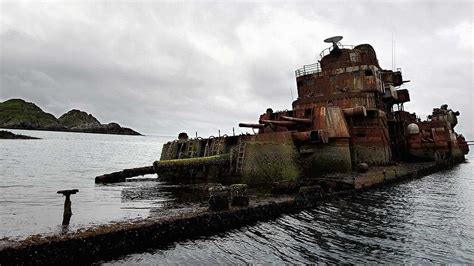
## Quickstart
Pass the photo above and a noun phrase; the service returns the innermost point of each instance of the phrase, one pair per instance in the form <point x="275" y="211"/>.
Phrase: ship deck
<point x="378" y="174"/>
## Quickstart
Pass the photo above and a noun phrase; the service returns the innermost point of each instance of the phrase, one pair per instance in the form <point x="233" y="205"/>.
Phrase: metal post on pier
<point x="67" y="205"/>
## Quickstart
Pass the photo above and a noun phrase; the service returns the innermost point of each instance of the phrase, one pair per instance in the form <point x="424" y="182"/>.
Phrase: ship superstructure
<point x="349" y="112"/>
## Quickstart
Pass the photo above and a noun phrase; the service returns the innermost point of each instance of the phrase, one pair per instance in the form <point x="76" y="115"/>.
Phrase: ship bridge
<point x="338" y="56"/>
<point x="316" y="67"/>
<point x="348" y="76"/>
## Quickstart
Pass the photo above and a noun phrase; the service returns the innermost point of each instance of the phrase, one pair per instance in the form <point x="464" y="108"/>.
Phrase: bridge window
<point x="369" y="72"/>
<point x="354" y="57"/>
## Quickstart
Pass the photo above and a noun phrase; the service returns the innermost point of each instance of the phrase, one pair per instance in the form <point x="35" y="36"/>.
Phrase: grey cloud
<point x="164" y="67"/>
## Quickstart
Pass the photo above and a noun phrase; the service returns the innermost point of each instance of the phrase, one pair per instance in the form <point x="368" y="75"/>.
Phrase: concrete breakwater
<point x="110" y="241"/>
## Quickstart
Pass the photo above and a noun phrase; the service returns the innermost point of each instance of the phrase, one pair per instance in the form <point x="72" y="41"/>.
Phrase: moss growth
<point x="327" y="158"/>
<point x="191" y="162"/>
<point x="270" y="162"/>
<point x="371" y="154"/>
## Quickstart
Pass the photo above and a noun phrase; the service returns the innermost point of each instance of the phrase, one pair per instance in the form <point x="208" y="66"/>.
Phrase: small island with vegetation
<point x="19" y="114"/>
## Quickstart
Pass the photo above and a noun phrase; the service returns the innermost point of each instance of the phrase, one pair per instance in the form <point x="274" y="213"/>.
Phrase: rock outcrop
<point x="9" y="135"/>
<point x="76" y="118"/>
<point x="17" y="113"/>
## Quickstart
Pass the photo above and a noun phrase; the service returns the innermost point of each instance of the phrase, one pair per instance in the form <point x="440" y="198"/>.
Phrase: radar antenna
<point x="334" y="40"/>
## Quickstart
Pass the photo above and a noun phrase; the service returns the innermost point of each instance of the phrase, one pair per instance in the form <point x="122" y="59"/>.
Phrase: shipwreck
<point x="347" y="132"/>
<point x="349" y="116"/>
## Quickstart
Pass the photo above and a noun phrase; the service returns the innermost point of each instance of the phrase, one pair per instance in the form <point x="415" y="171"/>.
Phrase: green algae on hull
<point x="269" y="162"/>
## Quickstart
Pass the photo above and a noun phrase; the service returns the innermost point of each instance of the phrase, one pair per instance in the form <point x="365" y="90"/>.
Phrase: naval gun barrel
<point x="358" y="111"/>
<point x="287" y="121"/>
<point x="277" y="122"/>
<point x="296" y="119"/>
<point x="251" y="125"/>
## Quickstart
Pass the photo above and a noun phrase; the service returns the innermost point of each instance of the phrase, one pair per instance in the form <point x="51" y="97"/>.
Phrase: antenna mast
<point x="394" y="64"/>
<point x="393" y="52"/>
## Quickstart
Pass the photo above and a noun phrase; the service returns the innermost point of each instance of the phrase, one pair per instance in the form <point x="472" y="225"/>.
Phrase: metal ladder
<point x="180" y="152"/>
<point x="240" y="157"/>
<point x="206" y="149"/>
<point x="216" y="146"/>
<point x="191" y="149"/>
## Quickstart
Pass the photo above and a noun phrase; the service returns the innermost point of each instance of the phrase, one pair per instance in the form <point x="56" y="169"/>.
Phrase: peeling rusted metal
<point x="349" y="112"/>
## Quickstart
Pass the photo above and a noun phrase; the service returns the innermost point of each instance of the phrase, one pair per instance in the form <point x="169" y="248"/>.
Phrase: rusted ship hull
<point x="349" y="116"/>
<point x="349" y="112"/>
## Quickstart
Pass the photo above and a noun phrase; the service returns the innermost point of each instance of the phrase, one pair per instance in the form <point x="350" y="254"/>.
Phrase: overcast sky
<point x="166" y="67"/>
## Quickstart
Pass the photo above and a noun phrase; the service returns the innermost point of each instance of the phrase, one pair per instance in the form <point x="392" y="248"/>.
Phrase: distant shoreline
<point x="65" y="130"/>
<point x="19" y="114"/>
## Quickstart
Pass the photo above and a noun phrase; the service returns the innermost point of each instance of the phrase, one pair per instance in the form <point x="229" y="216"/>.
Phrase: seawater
<point x="32" y="171"/>
<point x="427" y="220"/>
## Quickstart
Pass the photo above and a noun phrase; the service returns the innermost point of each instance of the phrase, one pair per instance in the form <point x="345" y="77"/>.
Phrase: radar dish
<point x="333" y="40"/>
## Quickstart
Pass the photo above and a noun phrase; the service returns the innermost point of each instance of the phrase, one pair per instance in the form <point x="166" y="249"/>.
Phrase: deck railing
<point x="308" y="69"/>
<point x="316" y="67"/>
<point x="329" y="49"/>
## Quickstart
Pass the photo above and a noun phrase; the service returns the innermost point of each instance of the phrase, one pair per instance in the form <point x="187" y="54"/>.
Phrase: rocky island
<point x="19" y="114"/>
<point x="9" y="135"/>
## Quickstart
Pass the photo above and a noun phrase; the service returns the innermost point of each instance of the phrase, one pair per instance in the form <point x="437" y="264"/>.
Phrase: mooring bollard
<point x="67" y="205"/>
<point x="362" y="167"/>
<point x="239" y="195"/>
<point x="218" y="198"/>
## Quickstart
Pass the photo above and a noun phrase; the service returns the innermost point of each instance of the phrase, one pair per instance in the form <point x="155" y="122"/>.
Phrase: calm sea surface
<point x="428" y="220"/>
<point x="31" y="171"/>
